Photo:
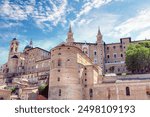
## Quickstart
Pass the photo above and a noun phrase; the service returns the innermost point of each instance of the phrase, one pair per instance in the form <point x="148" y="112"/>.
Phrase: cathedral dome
<point x="14" y="39"/>
<point x="28" y="47"/>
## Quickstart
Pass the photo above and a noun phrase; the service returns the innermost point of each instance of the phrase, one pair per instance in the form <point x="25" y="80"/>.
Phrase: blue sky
<point x="46" y="22"/>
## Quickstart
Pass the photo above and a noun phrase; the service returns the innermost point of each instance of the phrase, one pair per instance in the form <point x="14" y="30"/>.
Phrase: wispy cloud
<point x="88" y="6"/>
<point x="87" y="28"/>
<point x="136" y="23"/>
<point x="46" y="16"/>
<point x="7" y="24"/>
<point x="143" y="35"/>
<point x="3" y="55"/>
<point x="45" y="13"/>
<point x="15" y="11"/>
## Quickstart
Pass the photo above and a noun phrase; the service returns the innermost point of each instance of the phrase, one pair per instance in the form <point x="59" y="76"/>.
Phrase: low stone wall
<point x="5" y="94"/>
<point x="126" y="77"/>
<point x="136" y="76"/>
<point x="118" y="91"/>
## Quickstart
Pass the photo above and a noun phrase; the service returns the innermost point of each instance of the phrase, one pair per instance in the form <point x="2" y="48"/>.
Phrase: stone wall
<point x="5" y="94"/>
<point x="135" y="90"/>
<point x="65" y="82"/>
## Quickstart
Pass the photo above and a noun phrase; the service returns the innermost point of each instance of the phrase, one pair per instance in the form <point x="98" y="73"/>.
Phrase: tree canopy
<point x="138" y="57"/>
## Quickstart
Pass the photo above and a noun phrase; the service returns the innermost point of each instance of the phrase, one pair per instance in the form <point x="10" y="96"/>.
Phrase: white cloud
<point x="9" y="24"/>
<point x="54" y="16"/>
<point x="87" y="28"/>
<point x="45" y="13"/>
<point x="137" y="23"/>
<point x="13" y="11"/>
<point x="48" y="15"/>
<point x="3" y="55"/>
<point x="88" y="6"/>
<point x="144" y="35"/>
<point x="92" y="4"/>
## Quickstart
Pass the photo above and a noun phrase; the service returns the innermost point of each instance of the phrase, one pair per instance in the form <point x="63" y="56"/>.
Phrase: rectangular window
<point x="59" y="92"/>
<point x="58" y="79"/>
<point x="59" y="62"/>
<point x="108" y="56"/>
<point x="127" y="91"/>
<point x="91" y="93"/>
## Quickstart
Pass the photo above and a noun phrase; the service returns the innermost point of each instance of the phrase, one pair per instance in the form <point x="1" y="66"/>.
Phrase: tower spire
<point x="99" y="36"/>
<point x="99" y="31"/>
<point x="31" y="43"/>
<point x="70" y="38"/>
<point x="70" y="29"/>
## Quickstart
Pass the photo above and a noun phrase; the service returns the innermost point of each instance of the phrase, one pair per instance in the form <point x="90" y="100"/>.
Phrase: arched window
<point x="127" y="91"/>
<point x="85" y="50"/>
<point x="59" y="62"/>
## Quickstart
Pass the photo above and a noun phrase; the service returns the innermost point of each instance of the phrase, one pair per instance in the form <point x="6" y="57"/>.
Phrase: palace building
<point x="74" y="70"/>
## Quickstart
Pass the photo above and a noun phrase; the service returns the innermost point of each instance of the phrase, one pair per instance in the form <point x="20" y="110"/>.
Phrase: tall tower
<point x="13" y="56"/>
<point x="100" y="51"/>
<point x="13" y="47"/>
<point x="99" y="37"/>
<point x="70" y="38"/>
<point x="65" y="82"/>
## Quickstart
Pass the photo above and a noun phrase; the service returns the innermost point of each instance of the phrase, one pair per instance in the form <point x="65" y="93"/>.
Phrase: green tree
<point x="138" y="57"/>
<point x="43" y="90"/>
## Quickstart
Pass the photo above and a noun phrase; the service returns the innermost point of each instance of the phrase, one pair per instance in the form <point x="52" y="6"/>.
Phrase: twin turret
<point x="70" y="38"/>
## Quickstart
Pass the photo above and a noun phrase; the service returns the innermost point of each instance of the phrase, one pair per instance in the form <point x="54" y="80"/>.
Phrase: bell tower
<point x="100" y="51"/>
<point x="99" y="37"/>
<point x="70" y="38"/>
<point x="13" y="47"/>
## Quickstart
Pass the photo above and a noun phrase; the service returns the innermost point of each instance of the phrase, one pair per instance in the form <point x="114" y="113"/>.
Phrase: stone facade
<point x="70" y="72"/>
<point x="5" y="94"/>
<point x="74" y="70"/>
